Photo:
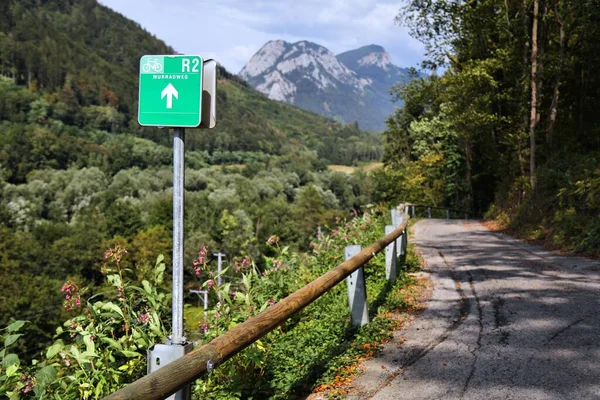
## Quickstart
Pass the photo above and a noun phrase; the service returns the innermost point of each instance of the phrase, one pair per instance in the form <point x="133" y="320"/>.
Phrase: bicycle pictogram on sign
<point x="152" y="65"/>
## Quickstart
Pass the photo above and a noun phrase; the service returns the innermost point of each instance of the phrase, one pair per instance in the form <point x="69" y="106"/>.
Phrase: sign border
<point x="140" y="90"/>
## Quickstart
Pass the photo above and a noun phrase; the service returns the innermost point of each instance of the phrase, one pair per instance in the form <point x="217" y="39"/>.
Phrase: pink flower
<point x="210" y="284"/>
<point x="197" y="271"/>
<point x="216" y="315"/>
<point x="203" y="327"/>
<point x="144" y="318"/>
<point x="271" y="301"/>
<point x="273" y="239"/>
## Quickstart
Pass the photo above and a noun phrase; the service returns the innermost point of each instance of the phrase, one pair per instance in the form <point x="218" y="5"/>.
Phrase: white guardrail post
<point x="390" y="256"/>
<point x="357" y="290"/>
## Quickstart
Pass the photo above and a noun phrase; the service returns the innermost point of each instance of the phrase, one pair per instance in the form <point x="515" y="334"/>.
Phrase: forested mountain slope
<point x="84" y="58"/>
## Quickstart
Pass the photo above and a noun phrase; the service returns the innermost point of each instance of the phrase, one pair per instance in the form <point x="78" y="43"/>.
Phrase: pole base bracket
<point x="160" y="355"/>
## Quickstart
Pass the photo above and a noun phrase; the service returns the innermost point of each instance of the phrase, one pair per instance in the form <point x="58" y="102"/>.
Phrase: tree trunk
<point x="534" y="92"/>
<point x="556" y="94"/>
<point x="520" y="145"/>
<point x="469" y="174"/>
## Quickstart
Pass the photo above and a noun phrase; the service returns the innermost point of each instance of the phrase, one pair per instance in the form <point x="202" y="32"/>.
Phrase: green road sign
<point x="170" y="91"/>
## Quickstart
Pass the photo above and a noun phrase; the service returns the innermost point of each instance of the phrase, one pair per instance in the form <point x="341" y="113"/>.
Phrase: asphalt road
<point x="505" y="321"/>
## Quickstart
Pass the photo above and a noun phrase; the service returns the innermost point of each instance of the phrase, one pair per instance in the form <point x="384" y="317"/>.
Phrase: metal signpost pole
<point x="177" y="91"/>
<point x="178" y="199"/>
<point x="176" y="346"/>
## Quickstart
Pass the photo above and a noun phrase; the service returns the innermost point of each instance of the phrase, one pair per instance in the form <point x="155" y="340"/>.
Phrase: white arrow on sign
<point x="169" y="91"/>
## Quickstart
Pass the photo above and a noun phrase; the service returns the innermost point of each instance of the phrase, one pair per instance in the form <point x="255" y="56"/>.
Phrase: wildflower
<point x="274" y="239"/>
<point x="245" y="261"/>
<point x="216" y="315"/>
<point x="144" y="318"/>
<point x="203" y="327"/>
<point x="29" y="385"/>
<point x="72" y="295"/>
<point x="271" y="301"/>
<point x="197" y="271"/>
<point x="209" y="284"/>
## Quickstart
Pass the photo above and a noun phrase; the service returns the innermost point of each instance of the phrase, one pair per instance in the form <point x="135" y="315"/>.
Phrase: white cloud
<point x="231" y="31"/>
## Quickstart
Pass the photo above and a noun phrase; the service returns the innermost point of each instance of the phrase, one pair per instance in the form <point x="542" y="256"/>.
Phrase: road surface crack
<point x="475" y="351"/>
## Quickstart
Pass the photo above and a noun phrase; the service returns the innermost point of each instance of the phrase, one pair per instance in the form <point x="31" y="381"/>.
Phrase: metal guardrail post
<point x="429" y="212"/>
<point x="390" y="256"/>
<point x="447" y="214"/>
<point x="400" y="248"/>
<point x="397" y="219"/>
<point x="413" y="212"/>
<point x="357" y="290"/>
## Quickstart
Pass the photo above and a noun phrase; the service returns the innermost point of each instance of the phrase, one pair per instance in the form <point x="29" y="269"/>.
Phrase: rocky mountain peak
<point x="352" y="86"/>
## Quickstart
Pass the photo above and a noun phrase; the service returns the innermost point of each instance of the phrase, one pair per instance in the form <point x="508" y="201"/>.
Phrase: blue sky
<point x="231" y="31"/>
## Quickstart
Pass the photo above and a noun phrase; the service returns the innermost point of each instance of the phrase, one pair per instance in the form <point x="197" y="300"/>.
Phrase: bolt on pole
<point x="178" y="200"/>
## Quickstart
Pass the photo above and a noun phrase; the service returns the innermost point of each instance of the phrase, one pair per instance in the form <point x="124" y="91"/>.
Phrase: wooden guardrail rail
<point x="182" y="371"/>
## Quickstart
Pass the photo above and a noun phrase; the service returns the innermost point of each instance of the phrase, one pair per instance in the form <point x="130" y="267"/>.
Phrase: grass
<point x="367" y="167"/>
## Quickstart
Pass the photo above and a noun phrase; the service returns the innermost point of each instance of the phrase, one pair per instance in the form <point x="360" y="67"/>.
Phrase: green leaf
<point x="129" y="353"/>
<point x="76" y="355"/>
<point x="10" y="339"/>
<point x="15" y="326"/>
<point x="10" y="371"/>
<point x="147" y="286"/>
<point x="54" y="349"/>
<point x="89" y="344"/>
<point x="88" y="354"/>
<point x="114" y="307"/>
<point x="10" y="359"/>
<point x="112" y="343"/>
<point x="46" y="374"/>
<point x="98" y="391"/>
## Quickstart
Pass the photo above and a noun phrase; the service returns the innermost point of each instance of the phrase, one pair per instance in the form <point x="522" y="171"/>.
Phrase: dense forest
<point x="511" y="125"/>
<point x="78" y="175"/>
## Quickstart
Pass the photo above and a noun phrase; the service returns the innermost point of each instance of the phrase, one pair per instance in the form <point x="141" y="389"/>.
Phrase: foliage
<point x="534" y="163"/>
<point x="100" y="348"/>
<point x="103" y="345"/>
<point x="320" y="340"/>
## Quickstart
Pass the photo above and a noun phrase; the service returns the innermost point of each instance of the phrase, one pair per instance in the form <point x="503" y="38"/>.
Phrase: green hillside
<point x="78" y="175"/>
<point x="84" y="58"/>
